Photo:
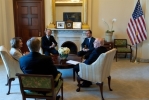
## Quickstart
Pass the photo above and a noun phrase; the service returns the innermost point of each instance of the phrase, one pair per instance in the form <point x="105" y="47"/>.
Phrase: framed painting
<point x="77" y="25"/>
<point x="60" y="24"/>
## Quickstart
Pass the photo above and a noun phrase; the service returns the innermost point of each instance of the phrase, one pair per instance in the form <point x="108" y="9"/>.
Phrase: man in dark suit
<point x="35" y="63"/>
<point x="87" y="45"/>
<point x="48" y="43"/>
<point x="99" y="49"/>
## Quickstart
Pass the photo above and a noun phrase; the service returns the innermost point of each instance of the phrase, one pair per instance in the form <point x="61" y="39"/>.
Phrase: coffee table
<point x="61" y="64"/>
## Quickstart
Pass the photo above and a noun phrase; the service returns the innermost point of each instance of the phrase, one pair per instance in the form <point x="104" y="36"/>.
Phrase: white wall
<point x="6" y="22"/>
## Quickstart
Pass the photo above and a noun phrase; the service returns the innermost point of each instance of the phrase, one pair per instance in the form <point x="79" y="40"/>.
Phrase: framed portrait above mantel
<point x="72" y="16"/>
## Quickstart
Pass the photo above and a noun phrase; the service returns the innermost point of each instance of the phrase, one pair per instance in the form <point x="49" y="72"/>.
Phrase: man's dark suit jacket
<point x="95" y="54"/>
<point x="35" y="63"/>
<point x="45" y="43"/>
<point x="88" y="44"/>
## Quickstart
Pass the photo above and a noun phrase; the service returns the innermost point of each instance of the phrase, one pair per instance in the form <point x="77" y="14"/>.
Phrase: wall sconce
<point x="75" y="0"/>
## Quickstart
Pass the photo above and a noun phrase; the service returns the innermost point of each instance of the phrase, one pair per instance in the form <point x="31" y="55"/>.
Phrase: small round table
<point x="61" y="64"/>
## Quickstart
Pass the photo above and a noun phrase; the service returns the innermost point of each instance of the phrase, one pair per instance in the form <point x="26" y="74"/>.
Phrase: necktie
<point x="88" y="40"/>
<point x="49" y="38"/>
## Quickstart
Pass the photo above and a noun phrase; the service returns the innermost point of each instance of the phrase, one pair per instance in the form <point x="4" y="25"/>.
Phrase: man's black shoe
<point x="58" y="97"/>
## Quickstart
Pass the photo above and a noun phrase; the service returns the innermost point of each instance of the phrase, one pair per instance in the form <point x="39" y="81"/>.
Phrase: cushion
<point x="28" y="92"/>
<point x="123" y="50"/>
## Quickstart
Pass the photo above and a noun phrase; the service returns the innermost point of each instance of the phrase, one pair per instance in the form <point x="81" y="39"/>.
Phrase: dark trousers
<point x="84" y="53"/>
<point x="76" y="69"/>
<point x="52" y="50"/>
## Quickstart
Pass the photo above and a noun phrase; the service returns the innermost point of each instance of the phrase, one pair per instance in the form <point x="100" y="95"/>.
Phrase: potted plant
<point x="109" y="32"/>
<point x="63" y="51"/>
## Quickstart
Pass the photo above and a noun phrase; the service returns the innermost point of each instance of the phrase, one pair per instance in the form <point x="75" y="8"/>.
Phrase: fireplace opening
<point x="72" y="46"/>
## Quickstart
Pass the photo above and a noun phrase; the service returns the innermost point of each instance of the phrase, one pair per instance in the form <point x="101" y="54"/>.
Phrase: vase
<point x="63" y="56"/>
<point x="108" y="37"/>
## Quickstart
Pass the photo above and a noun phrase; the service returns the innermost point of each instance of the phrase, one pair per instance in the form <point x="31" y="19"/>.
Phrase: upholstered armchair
<point x="41" y="51"/>
<point x="97" y="71"/>
<point x="122" y="47"/>
<point x="44" y="84"/>
<point x="11" y="65"/>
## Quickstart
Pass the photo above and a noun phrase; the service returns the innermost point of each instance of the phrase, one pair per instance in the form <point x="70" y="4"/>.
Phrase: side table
<point x="108" y="45"/>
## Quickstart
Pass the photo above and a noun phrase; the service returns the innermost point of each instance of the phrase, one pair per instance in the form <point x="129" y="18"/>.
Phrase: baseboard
<point x="144" y="60"/>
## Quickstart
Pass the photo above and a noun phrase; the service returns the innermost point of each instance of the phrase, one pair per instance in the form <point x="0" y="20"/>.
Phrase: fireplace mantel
<point x="74" y="35"/>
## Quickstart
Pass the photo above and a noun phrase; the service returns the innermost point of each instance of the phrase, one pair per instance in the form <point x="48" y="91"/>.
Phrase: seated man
<point x="99" y="49"/>
<point x="87" y="45"/>
<point x="48" y="43"/>
<point x="35" y="63"/>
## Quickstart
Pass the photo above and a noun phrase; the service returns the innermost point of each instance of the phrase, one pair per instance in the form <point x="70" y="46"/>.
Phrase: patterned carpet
<point x="130" y="81"/>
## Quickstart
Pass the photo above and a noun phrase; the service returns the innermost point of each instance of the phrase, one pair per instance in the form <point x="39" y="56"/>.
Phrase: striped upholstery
<point x="11" y="65"/>
<point x="100" y="69"/>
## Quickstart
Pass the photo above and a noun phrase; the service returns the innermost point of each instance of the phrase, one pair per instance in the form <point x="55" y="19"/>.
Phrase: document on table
<point x="72" y="62"/>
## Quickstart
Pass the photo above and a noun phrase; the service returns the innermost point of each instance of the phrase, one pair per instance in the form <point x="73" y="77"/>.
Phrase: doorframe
<point x="16" y="19"/>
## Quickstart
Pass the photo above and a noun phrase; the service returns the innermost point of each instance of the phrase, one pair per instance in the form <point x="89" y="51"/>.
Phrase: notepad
<point x="72" y="62"/>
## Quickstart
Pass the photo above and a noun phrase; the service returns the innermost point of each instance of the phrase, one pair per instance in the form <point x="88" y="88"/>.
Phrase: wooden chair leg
<point x="73" y="74"/>
<point x="125" y="55"/>
<point x="62" y="91"/>
<point x="78" y="80"/>
<point x="101" y="89"/>
<point x="130" y="57"/>
<point x="109" y="83"/>
<point x="116" y="56"/>
<point x="9" y="84"/>
<point x="7" y="81"/>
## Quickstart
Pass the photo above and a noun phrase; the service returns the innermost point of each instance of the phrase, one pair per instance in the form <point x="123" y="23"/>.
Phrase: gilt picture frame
<point x="77" y="25"/>
<point x="60" y="24"/>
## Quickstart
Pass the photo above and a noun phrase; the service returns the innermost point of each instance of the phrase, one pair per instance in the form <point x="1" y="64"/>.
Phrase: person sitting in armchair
<point x="99" y="49"/>
<point x="87" y="45"/>
<point x="48" y="43"/>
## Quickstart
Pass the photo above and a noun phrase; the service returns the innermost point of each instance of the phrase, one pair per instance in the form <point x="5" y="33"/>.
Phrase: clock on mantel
<point x="69" y="24"/>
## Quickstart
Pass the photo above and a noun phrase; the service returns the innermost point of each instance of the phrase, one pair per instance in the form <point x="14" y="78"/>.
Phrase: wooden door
<point x="29" y="19"/>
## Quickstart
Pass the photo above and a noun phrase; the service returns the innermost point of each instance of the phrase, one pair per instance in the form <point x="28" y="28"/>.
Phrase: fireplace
<point x="71" y="38"/>
<point x="72" y="46"/>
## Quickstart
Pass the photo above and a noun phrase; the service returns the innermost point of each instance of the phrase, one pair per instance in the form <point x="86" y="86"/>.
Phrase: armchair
<point x="97" y="71"/>
<point x="122" y="47"/>
<point x="40" y="86"/>
<point x="11" y="65"/>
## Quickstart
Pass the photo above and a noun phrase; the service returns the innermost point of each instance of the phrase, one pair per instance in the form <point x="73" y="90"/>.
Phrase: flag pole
<point x="135" y="60"/>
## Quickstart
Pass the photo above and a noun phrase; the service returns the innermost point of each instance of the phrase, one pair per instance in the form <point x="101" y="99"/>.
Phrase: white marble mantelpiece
<point x="74" y="35"/>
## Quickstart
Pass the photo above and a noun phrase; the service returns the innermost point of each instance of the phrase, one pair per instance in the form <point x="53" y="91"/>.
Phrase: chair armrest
<point x="129" y="45"/>
<point x="58" y="77"/>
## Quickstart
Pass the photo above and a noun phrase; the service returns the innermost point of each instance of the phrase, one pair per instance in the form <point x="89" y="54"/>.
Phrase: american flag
<point x="136" y="28"/>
